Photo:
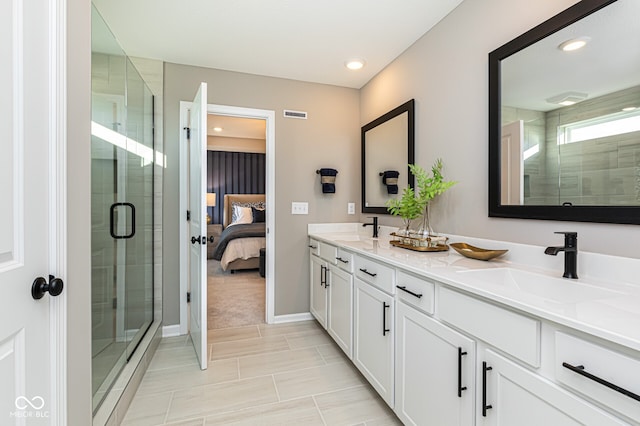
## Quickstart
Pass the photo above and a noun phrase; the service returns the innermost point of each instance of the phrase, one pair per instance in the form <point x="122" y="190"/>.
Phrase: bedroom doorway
<point x="267" y="118"/>
<point x="236" y="184"/>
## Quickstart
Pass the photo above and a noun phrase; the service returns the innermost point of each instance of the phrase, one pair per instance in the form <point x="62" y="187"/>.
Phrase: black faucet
<point x="375" y="226"/>
<point x="570" y="250"/>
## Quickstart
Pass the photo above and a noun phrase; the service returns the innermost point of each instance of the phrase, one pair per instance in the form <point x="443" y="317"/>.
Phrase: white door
<point x="198" y="223"/>
<point x="517" y="396"/>
<point x="434" y="371"/>
<point x="318" y="290"/>
<point x="512" y="164"/>
<point x="340" y="312"/>
<point x="373" y="338"/>
<point x="26" y="339"/>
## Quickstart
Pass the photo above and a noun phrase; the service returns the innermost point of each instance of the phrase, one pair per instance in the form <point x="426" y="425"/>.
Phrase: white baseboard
<point x="171" y="330"/>
<point x="305" y="316"/>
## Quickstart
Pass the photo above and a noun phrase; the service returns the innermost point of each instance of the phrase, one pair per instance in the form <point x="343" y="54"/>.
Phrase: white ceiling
<point x="236" y="127"/>
<point x="298" y="39"/>
<point x="608" y="63"/>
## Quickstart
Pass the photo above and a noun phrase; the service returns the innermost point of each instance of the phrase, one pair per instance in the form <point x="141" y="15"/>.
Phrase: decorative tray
<point x="438" y="247"/>
<point x="424" y="244"/>
<point x="467" y="250"/>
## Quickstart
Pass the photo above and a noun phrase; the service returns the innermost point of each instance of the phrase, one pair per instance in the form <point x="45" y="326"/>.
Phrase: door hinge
<point x="188" y="215"/>
<point x="188" y="129"/>
<point x="188" y="297"/>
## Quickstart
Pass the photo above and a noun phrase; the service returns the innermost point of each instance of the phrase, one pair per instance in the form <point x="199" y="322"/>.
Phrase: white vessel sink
<point x="543" y="286"/>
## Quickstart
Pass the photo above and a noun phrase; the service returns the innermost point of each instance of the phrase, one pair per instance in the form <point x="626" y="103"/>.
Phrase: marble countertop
<point x="604" y="301"/>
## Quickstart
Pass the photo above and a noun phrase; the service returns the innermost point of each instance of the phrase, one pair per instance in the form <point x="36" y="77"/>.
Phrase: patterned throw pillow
<point x="258" y="205"/>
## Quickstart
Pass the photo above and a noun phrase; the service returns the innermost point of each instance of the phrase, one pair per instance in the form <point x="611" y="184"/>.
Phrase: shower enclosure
<point x="122" y="195"/>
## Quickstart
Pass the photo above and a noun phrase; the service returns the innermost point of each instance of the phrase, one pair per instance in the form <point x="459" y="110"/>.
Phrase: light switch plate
<point x="351" y="208"/>
<point x="299" y="208"/>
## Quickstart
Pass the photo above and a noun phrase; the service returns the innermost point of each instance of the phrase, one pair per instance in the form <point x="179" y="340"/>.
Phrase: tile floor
<point x="286" y="374"/>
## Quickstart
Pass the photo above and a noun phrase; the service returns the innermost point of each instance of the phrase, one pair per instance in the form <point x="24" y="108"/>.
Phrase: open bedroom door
<point x="197" y="134"/>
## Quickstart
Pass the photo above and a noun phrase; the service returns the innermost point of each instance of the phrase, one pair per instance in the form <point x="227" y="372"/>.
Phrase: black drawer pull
<point x="460" y="387"/>
<point x="580" y="370"/>
<point x="485" y="407"/>
<point x="404" y="288"/>
<point x="385" y="330"/>
<point x="367" y="272"/>
<point x="342" y="260"/>
<point x="313" y="247"/>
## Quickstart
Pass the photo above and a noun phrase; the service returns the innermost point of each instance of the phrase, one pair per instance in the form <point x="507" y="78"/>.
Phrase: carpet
<point x="234" y="300"/>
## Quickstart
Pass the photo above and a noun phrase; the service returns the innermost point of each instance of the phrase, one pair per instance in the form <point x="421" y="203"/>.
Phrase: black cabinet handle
<point x="210" y="239"/>
<point x="112" y="221"/>
<point x="485" y="407"/>
<point x="404" y="288"/>
<point x="460" y="387"/>
<point x="385" y="330"/>
<point x="312" y="247"/>
<point x="367" y="272"/>
<point x="579" y="369"/>
<point x="342" y="260"/>
<point x="195" y="240"/>
<point x="326" y="282"/>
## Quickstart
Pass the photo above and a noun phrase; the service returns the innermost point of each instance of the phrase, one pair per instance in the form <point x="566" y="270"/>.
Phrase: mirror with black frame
<point x="564" y="117"/>
<point x="388" y="147"/>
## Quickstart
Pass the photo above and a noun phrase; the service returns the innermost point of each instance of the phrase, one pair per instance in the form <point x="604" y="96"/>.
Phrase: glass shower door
<point x="108" y="116"/>
<point x="122" y="161"/>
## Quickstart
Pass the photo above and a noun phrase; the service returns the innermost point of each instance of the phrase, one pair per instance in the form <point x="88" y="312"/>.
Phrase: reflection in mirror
<point x="565" y="117"/>
<point x="387" y="150"/>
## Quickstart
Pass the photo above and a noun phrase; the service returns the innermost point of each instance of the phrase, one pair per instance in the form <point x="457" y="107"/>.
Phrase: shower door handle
<point x="112" y="221"/>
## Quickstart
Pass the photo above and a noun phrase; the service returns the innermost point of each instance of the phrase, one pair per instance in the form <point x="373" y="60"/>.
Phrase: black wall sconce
<point x="328" y="180"/>
<point x="390" y="180"/>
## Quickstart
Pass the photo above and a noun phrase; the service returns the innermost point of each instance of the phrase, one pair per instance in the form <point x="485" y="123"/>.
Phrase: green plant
<point x="406" y="207"/>
<point x="429" y="186"/>
<point x="412" y="205"/>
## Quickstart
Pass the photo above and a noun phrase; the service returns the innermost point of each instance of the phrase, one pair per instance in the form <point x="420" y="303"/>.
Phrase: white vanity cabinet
<point x="331" y="294"/>
<point x="513" y="395"/>
<point x="318" y="290"/>
<point x="374" y="338"/>
<point x="444" y="351"/>
<point x="340" y="309"/>
<point x="435" y="371"/>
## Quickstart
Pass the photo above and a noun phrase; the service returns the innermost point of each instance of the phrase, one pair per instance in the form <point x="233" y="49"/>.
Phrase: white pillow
<point x="242" y="215"/>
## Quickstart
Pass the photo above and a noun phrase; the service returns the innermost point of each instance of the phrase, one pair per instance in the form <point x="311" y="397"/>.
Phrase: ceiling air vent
<point x="295" y="114"/>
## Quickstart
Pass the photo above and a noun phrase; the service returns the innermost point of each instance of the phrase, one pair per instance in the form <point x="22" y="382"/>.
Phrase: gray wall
<point x="78" y="276"/>
<point x="329" y="138"/>
<point x="446" y="71"/>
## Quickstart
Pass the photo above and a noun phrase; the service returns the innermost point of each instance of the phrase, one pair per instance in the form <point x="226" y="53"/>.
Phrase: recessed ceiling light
<point x="629" y="109"/>
<point x="568" y="98"/>
<point x="217" y="129"/>
<point x="573" y="44"/>
<point x="354" y="64"/>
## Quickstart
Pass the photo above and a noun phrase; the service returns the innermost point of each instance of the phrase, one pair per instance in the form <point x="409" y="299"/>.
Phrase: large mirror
<point x="387" y="150"/>
<point x="564" y="117"/>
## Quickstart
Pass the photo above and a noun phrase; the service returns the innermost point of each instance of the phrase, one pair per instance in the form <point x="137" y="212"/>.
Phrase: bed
<point x="239" y="244"/>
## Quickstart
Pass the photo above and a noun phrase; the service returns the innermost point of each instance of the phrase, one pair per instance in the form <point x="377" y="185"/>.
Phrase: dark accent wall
<point x="233" y="173"/>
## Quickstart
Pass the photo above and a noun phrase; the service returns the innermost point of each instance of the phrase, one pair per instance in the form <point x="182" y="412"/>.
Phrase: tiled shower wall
<point x="603" y="171"/>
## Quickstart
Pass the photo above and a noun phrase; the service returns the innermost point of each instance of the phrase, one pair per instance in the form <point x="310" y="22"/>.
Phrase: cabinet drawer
<point x="605" y="367"/>
<point x="328" y="252"/>
<point x="415" y="291"/>
<point x="314" y="247"/>
<point x="513" y="333"/>
<point x="345" y="260"/>
<point x="381" y="276"/>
